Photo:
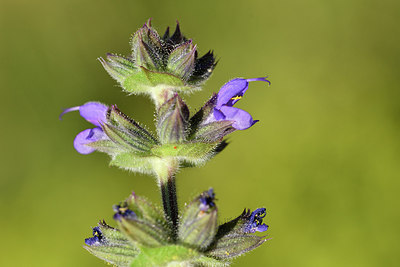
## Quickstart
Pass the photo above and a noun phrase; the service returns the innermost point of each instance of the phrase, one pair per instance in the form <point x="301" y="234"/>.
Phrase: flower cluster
<point x="163" y="68"/>
<point x="141" y="226"/>
<point x="157" y="63"/>
<point x="186" y="140"/>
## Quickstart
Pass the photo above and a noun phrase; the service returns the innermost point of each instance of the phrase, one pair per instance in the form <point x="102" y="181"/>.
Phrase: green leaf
<point x="182" y="59"/>
<point x="115" y="248"/>
<point x="198" y="227"/>
<point x="214" y="131"/>
<point x="126" y="140"/>
<point x="115" y="255"/>
<point x="143" y="233"/>
<point x="144" y="80"/>
<point x="232" y="246"/>
<point x="118" y="67"/>
<point x="133" y="162"/>
<point x="173" y="255"/>
<point x="136" y="132"/>
<point x="196" y="152"/>
<point x="148" y="212"/>
<point x="172" y="120"/>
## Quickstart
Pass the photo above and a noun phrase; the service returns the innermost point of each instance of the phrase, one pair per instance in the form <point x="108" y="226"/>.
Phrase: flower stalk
<point x="165" y="171"/>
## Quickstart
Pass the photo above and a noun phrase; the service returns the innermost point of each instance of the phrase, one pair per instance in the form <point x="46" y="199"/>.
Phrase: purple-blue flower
<point x="254" y="221"/>
<point x="227" y="96"/>
<point x="95" y="113"/>
<point x="97" y="238"/>
<point x="123" y="212"/>
<point x="207" y="200"/>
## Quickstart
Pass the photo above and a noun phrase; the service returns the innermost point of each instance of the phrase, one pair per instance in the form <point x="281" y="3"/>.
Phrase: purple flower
<point x="254" y="221"/>
<point x="123" y="212"/>
<point x="229" y="94"/>
<point x="97" y="238"/>
<point x="95" y="113"/>
<point x="207" y="199"/>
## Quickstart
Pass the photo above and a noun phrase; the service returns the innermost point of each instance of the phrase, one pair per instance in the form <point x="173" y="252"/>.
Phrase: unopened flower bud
<point x="199" y="221"/>
<point x="235" y="238"/>
<point x="172" y="120"/>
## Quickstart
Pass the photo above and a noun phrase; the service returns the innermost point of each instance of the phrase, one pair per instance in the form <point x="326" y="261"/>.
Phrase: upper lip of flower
<point x="93" y="112"/>
<point x="228" y="95"/>
<point x="234" y="90"/>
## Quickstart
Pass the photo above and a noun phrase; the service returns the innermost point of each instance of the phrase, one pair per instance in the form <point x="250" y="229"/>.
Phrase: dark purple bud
<point x="97" y="238"/>
<point x="207" y="200"/>
<point x="123" y="212"/>
<point x="93" y="112"/>
<point x="86" y="137"/>
<point x="255" y="220"/>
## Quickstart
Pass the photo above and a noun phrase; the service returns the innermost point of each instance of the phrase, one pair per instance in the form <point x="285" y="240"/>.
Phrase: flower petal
<point x="123" y="212"/>
<point x="218" y="115"/>
<point x="97" y="238"/>
<point x="242" y="119"/>
<point x="86" y="137"/>
<point x="234" y="90"/>
<point x="94" y="112"/>
<point x="255" y="222"/>
<point x="207" y="200"/>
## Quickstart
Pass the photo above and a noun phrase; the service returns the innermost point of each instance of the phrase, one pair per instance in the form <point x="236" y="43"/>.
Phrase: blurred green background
<point x="324" y="158"/>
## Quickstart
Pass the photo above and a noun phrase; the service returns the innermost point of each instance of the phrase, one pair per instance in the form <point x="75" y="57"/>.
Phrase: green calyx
<point x="199" y="223"/>
<point x="112" y="246"/>
<point x="159" y="66"/>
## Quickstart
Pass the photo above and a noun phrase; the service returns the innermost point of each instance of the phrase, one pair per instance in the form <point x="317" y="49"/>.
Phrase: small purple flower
<point x="95" y="113"/>
<point x="123" y="212"/>
<point x="97" y="238"/>
<point x="254" y="221"/>
<point x="227" y="96"/>
<point x="207" y="200"/>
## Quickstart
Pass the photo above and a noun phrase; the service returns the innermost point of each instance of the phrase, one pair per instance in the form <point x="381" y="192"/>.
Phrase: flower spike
<point x="163" y="67"/>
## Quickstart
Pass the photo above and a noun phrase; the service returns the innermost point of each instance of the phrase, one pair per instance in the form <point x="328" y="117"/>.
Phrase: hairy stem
<point x="170" y="203"/>
<point x="166" y="170"/>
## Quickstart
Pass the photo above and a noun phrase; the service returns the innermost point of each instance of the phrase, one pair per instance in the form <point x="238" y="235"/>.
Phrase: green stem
<point x="170" y="203"/>
<point x="166" y="170"/>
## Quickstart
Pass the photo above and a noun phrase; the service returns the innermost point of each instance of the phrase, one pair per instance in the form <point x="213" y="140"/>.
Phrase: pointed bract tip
<point x="166" y="34"/>
<point x="148" y="22"/>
